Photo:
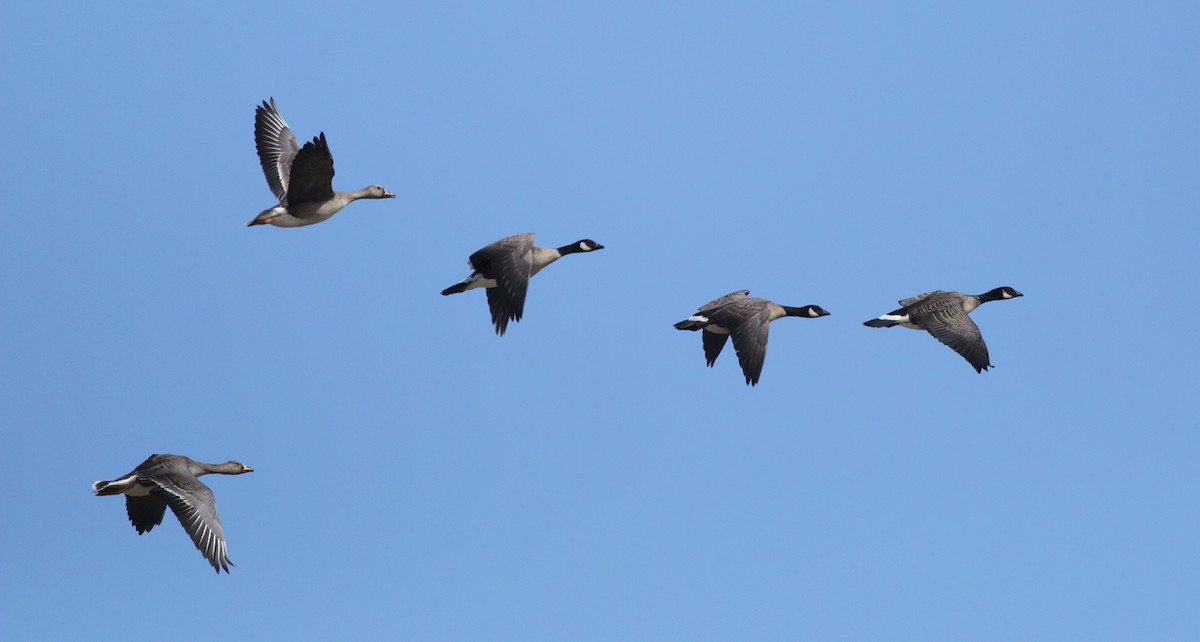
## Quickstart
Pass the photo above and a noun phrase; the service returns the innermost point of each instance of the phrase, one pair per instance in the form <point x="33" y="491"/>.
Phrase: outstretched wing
<point x="145" y="512"/>
<point x="276" y="146"/>
<point x="193" y="503"/>
<point x="749" y="324"/>
<point x="312" y="173"/>
<point x="507" y="261"/>
<point x="713" y="344"/>
<point x="953" y="327"/>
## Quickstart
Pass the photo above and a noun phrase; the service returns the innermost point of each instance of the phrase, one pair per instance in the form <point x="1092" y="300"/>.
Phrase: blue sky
<point x="585" y="477"/>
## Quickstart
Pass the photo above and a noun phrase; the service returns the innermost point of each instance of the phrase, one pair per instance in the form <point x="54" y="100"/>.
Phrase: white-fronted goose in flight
<point x="300" y="177"/>
<point x="171" y="480"/>
<point x="504" y="268"/>
<point x="747" y="320"/>
<point x="944" y="315"/>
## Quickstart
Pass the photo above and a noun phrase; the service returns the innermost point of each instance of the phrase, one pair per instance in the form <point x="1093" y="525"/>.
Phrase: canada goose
<point x="171" y="480"/>
<point x="504" y="268"/>
<point x="944" y="315"/>
<point x="300" y="177"/>
<point x="747" y="320"/>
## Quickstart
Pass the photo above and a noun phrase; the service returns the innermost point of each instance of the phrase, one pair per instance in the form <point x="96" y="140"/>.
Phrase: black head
<point x="809" y="311"/>
<point x="586" y="245"/>
<point x="999" y="293"/>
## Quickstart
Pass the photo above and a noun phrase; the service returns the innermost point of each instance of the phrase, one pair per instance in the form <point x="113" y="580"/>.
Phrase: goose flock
<point x="302" y="179"/>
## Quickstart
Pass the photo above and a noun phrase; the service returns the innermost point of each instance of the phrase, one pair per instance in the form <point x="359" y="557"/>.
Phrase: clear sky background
<point x="586" y="477"/>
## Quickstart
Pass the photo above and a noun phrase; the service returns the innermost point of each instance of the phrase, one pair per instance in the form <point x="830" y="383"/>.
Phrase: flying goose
<point x="504" y="268"/>
<point x="944" y="315"/>
<point x="300" y="177"/>
<point x="747" y="320"/>
<point x="170" y="480"/>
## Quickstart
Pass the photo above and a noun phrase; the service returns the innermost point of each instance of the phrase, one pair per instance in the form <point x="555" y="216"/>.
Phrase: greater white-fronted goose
<point x="748" y="321"/>
<point x="944" y="315"/>
<point x="300" y="177"/>
<point x="171" y="480"/>
<point x="504" y="268"/>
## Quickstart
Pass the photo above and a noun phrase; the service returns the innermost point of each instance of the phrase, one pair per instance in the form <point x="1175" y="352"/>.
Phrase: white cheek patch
<point x="585" y="247"/>
<point x="1006" y="295"/>
<point x="898" y="318"/>
<point x="813" y="313"/>
<point x="698" y="318"/>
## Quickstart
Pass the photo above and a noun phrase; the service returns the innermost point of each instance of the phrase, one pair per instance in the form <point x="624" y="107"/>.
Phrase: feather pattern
<point x="276" y="145"/>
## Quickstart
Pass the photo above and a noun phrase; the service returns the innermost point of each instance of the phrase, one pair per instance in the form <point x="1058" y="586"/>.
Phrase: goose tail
<point x="693" y="323"/>
<point x="115" y="487"/>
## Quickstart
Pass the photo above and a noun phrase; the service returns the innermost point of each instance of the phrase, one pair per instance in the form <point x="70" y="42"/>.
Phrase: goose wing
<point x="953" y="327"/>
<point x="713" y="344"/>
<point x="312" y="173"/>
<point x="194" y="505"/>
<point x="749" y="324"/>
<point x="145" y="512"/>
<point x="913" y="299"/>
<point x="720" y="301"/>
<point x="509" y="262"/>
<point x="277" y="147"/>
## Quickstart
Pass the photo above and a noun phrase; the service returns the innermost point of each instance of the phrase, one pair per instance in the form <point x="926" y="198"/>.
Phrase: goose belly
<point x="480" y="282"/>
<point x="137" y="490"/>
<point x="309" y="213"/>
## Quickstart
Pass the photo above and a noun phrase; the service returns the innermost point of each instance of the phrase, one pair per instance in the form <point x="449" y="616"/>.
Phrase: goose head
<point x="586" y="245"/>
<point x="1003" y="292"/>
<point x="377" y="191"/>
<point x="810" y="311"/>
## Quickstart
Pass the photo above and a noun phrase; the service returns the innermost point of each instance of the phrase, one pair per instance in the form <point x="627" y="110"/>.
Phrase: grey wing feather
<point x="713" y="344"/>
<point x="145" y="512"/>
<point x="312" y="173"/>
<point x="913" y="299"/>
<point x="276" y="146"/>
<point x="508" y="261"/>
<point x="194" y="505"/>
<point x="954" y="328"/>
<point x="749" y="326"/>
<point x="720" y="301"/>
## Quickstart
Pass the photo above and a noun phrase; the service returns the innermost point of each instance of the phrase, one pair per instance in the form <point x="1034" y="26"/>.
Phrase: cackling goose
<point x="504" y="268"/>
<point x="944" y="315"/>
<point x="747" y="320"/>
